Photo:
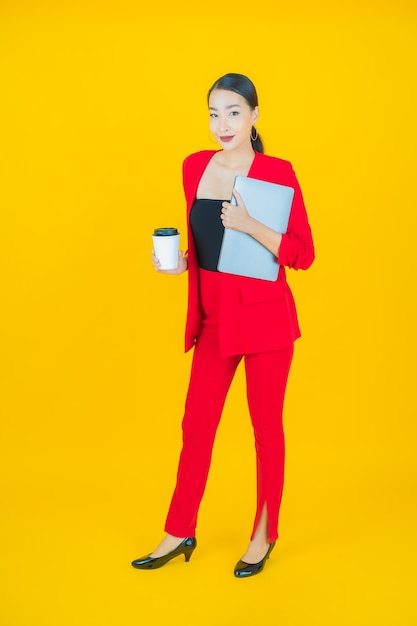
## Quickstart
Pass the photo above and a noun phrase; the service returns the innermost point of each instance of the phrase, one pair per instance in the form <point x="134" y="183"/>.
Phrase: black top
<point x="208" y="231"/>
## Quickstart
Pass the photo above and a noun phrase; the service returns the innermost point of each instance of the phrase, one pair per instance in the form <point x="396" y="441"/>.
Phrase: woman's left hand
<point x="236" y="217"/>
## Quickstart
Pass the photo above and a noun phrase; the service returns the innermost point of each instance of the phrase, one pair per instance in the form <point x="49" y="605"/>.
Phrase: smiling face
<point x="231" y="119"/>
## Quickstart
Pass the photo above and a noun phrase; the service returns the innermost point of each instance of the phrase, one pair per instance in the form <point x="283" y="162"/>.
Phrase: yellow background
<point x="100" y="104"/>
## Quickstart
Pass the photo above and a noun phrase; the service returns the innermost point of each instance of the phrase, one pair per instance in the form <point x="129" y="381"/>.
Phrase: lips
<point x="227" y="138"/>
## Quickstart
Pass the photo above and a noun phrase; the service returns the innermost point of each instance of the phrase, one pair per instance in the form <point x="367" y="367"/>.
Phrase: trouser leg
<point x="266" y="379"/>
<point x="211" y="376"/>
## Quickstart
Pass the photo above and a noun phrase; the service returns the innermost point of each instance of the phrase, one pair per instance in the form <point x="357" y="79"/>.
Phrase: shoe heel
<point x="188" y="554"/>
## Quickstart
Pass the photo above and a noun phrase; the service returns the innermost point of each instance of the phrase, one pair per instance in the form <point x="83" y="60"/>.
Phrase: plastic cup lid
<point x="165" y="232"/>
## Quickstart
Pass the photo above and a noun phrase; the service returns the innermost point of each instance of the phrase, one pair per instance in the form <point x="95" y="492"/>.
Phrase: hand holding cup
<point x="166" y="257"/>
<point x="182" y="264"/>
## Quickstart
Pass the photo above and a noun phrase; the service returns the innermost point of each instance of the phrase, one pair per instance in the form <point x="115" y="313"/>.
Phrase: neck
<point x="238" y="158"/>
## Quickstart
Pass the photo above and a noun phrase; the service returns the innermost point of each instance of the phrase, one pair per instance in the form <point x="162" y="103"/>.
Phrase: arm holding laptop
<point x="294" y="248"/>
<point x="237" y="217"/>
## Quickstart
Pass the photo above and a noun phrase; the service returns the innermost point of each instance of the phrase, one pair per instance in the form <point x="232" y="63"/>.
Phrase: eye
<point x="213" y="115"/>
<point x="234" y="113"/>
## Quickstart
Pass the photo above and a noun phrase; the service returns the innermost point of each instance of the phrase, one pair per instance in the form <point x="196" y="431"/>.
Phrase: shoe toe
<point x="144" y="562"/>
<point x="243" y="569"/>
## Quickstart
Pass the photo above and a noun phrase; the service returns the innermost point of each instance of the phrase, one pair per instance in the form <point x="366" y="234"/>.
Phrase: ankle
<point x="259" y="542"/>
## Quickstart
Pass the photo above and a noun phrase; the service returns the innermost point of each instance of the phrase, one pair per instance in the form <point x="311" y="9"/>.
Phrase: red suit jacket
<point x="255" y="315"/>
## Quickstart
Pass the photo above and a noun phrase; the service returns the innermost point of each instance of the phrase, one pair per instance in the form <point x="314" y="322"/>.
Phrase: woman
<point x="233" y="317"/>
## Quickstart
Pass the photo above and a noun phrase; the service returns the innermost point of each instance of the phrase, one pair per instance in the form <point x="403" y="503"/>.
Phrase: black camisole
<point x="208" y="231"/>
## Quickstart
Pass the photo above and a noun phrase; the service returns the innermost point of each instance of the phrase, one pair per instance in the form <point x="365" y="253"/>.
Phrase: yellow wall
<point x="100" y="104"/>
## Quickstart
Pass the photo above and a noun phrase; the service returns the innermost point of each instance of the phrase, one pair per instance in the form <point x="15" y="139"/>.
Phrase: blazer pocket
<point x="261" y="291"/>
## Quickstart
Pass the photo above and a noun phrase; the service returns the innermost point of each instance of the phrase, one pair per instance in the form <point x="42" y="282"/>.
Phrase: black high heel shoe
<point x="243" y="570"/>
<point x="186" y="547"/>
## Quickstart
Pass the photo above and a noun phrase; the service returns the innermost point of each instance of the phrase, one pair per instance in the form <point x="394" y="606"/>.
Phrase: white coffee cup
<point x="166" y="243"/>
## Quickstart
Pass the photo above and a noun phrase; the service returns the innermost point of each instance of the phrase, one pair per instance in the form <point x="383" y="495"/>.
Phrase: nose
<point x="223" y="124"/>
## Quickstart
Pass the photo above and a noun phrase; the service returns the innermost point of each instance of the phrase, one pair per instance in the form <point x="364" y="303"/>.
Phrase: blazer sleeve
<point x="185" y="179"/>
<point x="297" y="247"/>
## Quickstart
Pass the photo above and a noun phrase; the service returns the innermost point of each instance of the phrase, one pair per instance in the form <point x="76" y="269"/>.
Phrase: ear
<point x="255" y="115"/>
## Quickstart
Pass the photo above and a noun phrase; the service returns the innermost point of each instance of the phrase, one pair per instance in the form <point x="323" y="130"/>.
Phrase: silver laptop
<point x="268" y="203"/>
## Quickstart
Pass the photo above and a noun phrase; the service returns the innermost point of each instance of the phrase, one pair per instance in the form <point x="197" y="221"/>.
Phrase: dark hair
<point x="241" y="84"/>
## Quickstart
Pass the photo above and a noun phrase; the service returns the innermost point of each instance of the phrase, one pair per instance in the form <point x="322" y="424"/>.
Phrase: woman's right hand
<point x="182" y="264"/>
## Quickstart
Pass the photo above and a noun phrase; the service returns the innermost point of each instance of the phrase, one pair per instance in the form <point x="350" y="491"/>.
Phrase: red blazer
<point x="255" y="315"/>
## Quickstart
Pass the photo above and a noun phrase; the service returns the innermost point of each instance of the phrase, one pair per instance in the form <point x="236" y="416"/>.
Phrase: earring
<point x="256" y="134"/>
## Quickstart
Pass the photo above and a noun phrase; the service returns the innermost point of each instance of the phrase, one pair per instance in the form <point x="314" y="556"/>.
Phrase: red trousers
<point x="211" y="376"/>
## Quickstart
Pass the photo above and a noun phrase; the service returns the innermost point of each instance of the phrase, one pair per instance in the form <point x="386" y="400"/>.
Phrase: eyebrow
<point x="230" y="106"/>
